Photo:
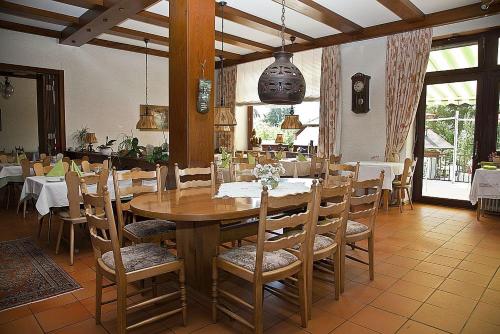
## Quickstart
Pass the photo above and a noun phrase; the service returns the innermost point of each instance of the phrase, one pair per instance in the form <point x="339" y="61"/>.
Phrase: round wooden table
<point x="198" y="216"/>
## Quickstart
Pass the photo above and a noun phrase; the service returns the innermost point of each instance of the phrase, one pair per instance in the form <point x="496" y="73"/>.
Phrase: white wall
<point x="19" y="116"/>
<point x="103" y="87"/>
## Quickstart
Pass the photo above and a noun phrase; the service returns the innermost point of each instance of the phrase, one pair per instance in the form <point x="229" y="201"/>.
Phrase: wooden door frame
<point x="35" y="72"/>
<point x="485" y="74"/>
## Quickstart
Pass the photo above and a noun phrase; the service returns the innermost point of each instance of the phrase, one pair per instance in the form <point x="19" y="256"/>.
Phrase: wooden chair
<point x="268" y="261"/>
<point x="45" y="161"/>
<point x="40" y="169"/>
<point x="239" y="160"/>
<point x="264" y="160"/>
<point x="317" y="168"/>
<point x="194" y="172"/>
<point x="335" y="159"/>
<point x="361" y="224"/>
<point x="405" y="183"/>
<point x="125" y="265"/>
<point x="74" y="215"/>
<point x="26" y="169"/>
<point x="336" y="171"/>
<point x="42" y="156"/>
<point x="88" y="167"/>
<point x="326" y="238"/>
<point x="241" y="172"/>
<point x="150" y="230"/>
<point x="4" y="159"/>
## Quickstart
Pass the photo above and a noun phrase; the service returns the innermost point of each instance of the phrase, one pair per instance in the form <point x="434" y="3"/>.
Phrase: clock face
<point x="358" y="86"/>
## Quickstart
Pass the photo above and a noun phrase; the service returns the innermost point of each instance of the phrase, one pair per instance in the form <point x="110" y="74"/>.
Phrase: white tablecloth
<point x="486" y="184"/>
<point x="254" y="189"/>
<point x="371" y="170"/>
<point x="10" y="173"/>
<point x="55" y="194"/>
<point x="296" y="168"/>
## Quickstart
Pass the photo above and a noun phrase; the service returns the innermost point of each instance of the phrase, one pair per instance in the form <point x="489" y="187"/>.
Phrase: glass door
<point x="450" y="115"/>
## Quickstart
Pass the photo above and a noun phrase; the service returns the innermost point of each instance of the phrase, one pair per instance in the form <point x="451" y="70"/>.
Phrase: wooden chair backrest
<point x="136" y="188"/>
<point x="317" y="166"/>
<point x="192" y="172"/>
<point x="238" y="154"/>
<point x="163" y="177"/>
<point x="105" y="224"/>
<point x="85" y="158"/>
<point x="338" y="169"/>
<point x="241" y="172"/>
<point x="88" y="167"/>
<point x="45" y="161"/>
<point x="365" y="200"/>
<point x="100" y="180"/>
<point x="73" y="186"/>
<point x="4" y="159"/>
<point x="40" y="169"/>
<point x="66" y="160"/>
<point x="239" y="160"/>
<point x="299" y="222"/>
<point x="26" y="168"/>
<point x="42" y="156"/>
<point x="335" y="159"/>
<point x="408" y="170"/>
<point x="263" y="160"/>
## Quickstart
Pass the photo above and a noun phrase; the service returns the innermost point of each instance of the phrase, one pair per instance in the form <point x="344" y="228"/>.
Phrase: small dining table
<point x="198" y="214"/>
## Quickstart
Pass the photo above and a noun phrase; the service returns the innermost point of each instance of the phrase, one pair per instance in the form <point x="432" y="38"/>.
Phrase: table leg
<point x="197" y="244"/>
<point x="386" y="195"/>
<point x="478" y="212"/>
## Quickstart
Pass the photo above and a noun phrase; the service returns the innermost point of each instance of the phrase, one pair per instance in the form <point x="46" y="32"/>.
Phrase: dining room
<point x="264" y="166"/>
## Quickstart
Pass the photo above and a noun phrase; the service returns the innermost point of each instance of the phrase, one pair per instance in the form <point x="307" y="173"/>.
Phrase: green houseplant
<point x="106" y="149"/>
<point x="78" y="138"/>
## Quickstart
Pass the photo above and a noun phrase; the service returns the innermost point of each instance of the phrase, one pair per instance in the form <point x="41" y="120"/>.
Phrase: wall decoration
<point x="360" y="93"/>
<point x="160" y="116"/>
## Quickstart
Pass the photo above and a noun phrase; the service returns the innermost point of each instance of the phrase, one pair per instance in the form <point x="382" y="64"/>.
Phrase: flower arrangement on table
<point x="269" y="174"/>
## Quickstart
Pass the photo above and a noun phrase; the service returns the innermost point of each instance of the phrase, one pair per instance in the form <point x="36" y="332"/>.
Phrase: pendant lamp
<point x="291" y="121"/>
<point x="224" y="117"/>
<point x="282" y="82"/>
<point x="146" y="119"/>
<point x="6" y="88"/>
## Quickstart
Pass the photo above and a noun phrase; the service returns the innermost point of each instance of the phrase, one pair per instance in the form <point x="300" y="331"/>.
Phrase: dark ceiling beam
<point x="36" y="14"/>
<point x="444" y="17"/>
<point x="29" y="29"/>
<point x="88" y="4"/>
<point x="321" y="14"/>
<point x="257" y="23"/>
<point x="152" y="18"/>
<point x="242" y="42"/>
<point x="405" y="9"/>
<point x="97" y="21"/>
<point x="138" y="35"/>
<point x="127" y="47"/>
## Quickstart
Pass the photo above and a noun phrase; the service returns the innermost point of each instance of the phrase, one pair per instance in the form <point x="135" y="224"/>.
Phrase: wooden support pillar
<point x="192" y="43"/>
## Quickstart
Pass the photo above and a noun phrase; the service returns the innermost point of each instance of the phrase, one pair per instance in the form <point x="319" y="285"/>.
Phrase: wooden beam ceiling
<point x="405" y="9"/>
<point x="127" y="47"/>
<point x="321" y="14"/>
<point x="151" y="18"/>
<point x="242" y="42"/>
<point x="138" y="35"/>
<point x="96" y="21"/>
<point x="444" y="17"/>
<point x="36" y="14"/>
<point x="29" y="29"/>
<point x="257" y="23"/>
<point x="88" y="4"/>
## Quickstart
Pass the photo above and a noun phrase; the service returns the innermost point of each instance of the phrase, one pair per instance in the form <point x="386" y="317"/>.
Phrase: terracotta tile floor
<point x="436" y="272"/>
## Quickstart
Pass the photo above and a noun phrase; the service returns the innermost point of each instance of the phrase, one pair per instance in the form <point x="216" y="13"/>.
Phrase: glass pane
<point x="498" y="124"/>
<point x="449" y="139"/>
<point x="498" y="52"/>
<point x="453" y="58"/>
<point x="267" y="121"/>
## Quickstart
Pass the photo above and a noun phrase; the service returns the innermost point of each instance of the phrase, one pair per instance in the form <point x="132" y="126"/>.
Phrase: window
<point x="453" y="58"/>
<point x="267" y="121"/>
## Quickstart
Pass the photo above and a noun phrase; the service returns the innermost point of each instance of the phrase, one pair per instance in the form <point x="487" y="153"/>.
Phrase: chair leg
<point x="309" y="286"/>
<point x="98" y="296"/>
<point x="9" y="190"/>
<point x="121" y="306"/>
<point x="342" y="267"/>
<point x="336" y="265"/>
<point x="40" y="223"/>
<point x="214" y="289"/>
<point x="258" y="306"/>
<point x="409" y="197"/>
<point x="370" y="257"/>
<point x="182" y="280"/>
<point x="71" y="243"/>
<point x="59" y="236"/>
<point x="18" y="205"/>
<point x="400" y="199"/>
<point x="302" y="285"/>
<point x="24" y="208"/>
<point x="154" y="287"/>
<point x="49" y="227"/>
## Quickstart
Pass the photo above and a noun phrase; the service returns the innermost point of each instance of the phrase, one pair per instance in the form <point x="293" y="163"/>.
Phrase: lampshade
<point x="224" y="128"/>
<point x="90" y="138"/>
<point x="224" y="117"/>
<point x="146" y="122"/>
<point x="291" y="122"/>
<point x="279" y="138"/>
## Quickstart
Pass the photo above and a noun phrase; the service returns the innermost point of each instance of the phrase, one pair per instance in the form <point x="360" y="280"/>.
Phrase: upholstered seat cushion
<point x="322" y="241"/>
<point x="245" y="257"/>
<point x="354" y="227"/>
<point x="148" y="228"/>
<point x="139" y="257"/>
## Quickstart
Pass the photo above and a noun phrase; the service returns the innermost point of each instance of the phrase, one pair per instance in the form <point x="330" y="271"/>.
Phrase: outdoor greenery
<point x="270" y="125"/>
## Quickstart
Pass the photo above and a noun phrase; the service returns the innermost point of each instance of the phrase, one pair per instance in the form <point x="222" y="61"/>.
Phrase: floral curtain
<point x="226" y="138"/>
<point x="329" y="99"/>
<point x="406" y="63"/>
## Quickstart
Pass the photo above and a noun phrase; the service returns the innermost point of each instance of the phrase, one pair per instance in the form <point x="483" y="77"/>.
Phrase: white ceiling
<point x="362" y="12"/>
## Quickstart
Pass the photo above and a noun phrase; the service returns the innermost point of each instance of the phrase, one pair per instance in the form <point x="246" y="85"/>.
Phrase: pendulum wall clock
<point x="360" y="93"/>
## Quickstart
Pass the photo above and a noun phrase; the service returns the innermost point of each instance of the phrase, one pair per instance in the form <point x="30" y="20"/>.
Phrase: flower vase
<point x="270" y="183"/>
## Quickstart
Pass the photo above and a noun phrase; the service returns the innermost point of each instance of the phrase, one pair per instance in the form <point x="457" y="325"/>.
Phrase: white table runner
<point x="254" y="189"/>
<point x="486" y="184"/>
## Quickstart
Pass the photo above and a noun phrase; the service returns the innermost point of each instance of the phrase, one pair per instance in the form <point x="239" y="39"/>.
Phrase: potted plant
<point x="158" y="154"/>
<point x="107" y="149"/>
<point x="78" y="138"/>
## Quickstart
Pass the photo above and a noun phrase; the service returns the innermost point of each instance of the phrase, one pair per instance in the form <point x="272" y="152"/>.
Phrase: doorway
<point x="458" y="117"/>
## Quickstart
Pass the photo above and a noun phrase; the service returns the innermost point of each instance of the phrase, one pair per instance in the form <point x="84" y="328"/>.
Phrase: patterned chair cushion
<point x="355" y="227"/>
<point x="321" y="242"/>
<point x="140" y="256"/>
<point x="245" y="257"/>
<point x="147" y="228"/>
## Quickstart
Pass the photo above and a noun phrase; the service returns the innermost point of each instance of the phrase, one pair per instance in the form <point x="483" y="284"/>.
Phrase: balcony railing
<point x="441" y="168"/>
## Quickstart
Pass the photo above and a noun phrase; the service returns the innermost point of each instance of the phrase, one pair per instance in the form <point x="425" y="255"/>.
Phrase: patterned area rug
<point x="28" y="275"/>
